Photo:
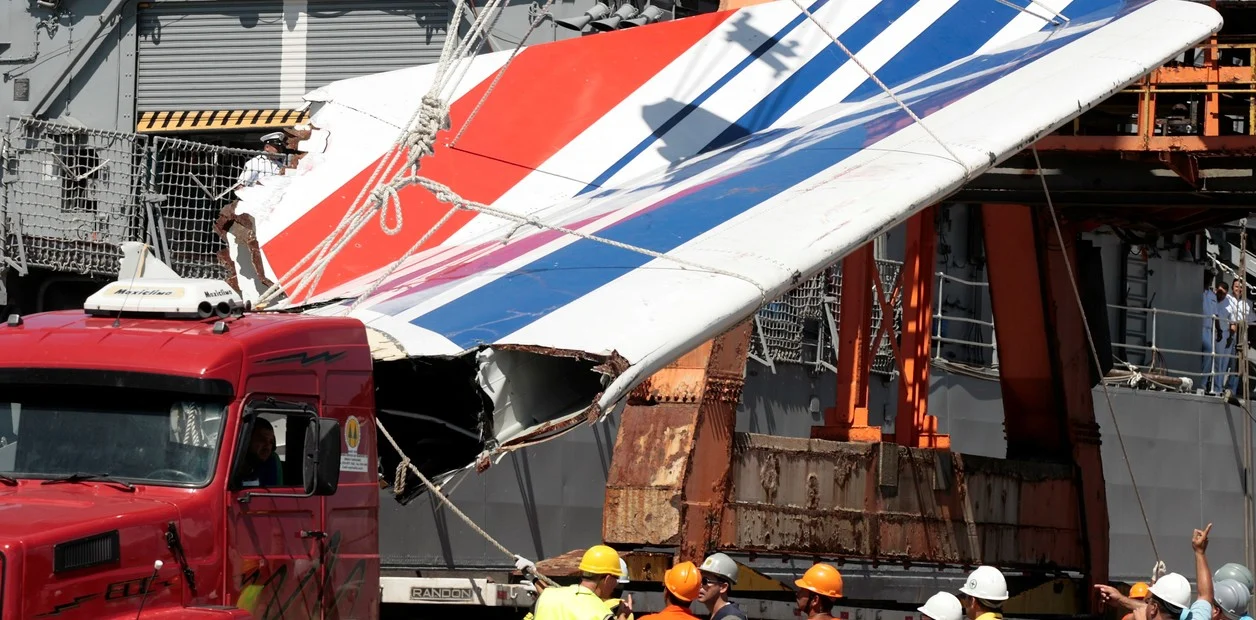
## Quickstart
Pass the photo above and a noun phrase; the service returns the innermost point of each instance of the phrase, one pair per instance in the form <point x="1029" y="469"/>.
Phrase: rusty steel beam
<point x="669" y="477"/>
<point x="891" y="503"/>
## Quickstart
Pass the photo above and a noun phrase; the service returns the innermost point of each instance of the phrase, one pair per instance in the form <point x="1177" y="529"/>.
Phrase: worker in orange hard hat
<point x="1138" y="592"/>
<point x="681" y="584"/>
<point x="818" y="591"/>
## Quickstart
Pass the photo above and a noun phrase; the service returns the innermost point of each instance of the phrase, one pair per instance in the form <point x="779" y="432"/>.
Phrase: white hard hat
<point x="987" y="584"/>
<point x="720" y="565"/>
<point x="942" y="606"/>
<point x="1173" y="589"/>
<point x="623" y="571"/>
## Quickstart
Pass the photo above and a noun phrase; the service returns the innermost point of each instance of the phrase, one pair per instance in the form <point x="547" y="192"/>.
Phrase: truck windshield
<point x="147" y="439"/>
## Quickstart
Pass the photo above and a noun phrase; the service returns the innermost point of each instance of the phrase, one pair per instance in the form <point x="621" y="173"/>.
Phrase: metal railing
<point x="979" y="351"/>
<point x="71" y="195"/>
<point x="1174" y="347"/>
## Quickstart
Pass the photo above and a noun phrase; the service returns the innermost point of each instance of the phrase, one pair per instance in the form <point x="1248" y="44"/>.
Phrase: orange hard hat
<point x="1138" y="590"/>
<point x="823" y="580"/>
<point x="683" y="581"/>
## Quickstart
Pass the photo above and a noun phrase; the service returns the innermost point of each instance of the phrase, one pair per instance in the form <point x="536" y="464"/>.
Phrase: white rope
<point x="416" y="140"/>
<point x="1094" y="351"/>
<point x="884" y="88"/>
<point x="435" y="491"/>
<point x="531" y="27"/>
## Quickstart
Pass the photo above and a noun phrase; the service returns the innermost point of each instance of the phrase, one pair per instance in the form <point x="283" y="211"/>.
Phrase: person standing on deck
<point x="1237" y="310"/>
<point x="984" y="592"/>
<point x="1212" y="337"/>
<point x="719" y="575"/>
<point x="265" y="165"/>
<point x="818" y="591"/>
<point x="681" y="584"/>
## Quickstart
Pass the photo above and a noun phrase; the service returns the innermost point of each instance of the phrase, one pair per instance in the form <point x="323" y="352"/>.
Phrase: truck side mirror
<point x="321" y="468"/>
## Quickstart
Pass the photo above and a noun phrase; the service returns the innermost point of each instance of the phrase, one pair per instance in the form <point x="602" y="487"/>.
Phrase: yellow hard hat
<point x="600" y="560"/>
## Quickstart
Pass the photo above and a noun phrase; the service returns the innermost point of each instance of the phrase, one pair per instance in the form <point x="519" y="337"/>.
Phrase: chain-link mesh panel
<point x="796" y="328"/>
<point x="72" y="195"/>
<point x="189" y="184"/>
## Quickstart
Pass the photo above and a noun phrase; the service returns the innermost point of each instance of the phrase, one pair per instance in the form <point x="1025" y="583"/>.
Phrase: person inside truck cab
<point x="261" y="464"/>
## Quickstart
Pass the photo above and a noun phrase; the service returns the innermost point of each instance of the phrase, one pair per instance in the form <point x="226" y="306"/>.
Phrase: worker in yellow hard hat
<point x="600" y="571"/>
<point x="681" y="584"/>
<point x="818" y="591"/>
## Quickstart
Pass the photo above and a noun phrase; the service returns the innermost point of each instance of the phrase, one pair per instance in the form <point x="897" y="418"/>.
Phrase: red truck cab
<point x="159" y="462"/>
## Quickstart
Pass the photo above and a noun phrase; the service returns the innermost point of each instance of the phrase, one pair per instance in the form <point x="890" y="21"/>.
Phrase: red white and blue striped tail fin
<point x="678" y="175"/>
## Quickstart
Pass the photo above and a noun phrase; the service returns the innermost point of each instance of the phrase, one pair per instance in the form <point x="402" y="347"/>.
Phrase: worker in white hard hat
<point x="1169" y="598"/>
<point x="942" y="606"/>
<point x="616" y="599"/>
<point x="719" y="574"/>
<point x="266" y="164"/>
<point x="984" y="592"/>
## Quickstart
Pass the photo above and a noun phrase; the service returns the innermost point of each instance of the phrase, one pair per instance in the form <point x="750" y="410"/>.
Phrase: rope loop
<point x="399" y="485"/>
<point x="389" y="202"/>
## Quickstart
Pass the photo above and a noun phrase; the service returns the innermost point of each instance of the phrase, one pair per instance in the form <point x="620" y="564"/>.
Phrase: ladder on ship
<point x="1137" y="295"/>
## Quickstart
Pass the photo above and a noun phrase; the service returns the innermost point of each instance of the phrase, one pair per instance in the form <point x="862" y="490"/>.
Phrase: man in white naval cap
<point x="266" y="164"/>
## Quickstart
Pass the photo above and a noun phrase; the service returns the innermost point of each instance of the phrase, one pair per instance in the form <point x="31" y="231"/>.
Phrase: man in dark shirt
<point x="719" y="573"/>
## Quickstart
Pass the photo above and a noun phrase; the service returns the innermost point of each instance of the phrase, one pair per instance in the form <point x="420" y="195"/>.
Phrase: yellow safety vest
<point x="570" y="603"/>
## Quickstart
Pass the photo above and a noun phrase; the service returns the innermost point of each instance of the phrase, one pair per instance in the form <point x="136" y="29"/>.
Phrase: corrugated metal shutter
<point x="349" y="38"/>
<point x="222" y="55"/>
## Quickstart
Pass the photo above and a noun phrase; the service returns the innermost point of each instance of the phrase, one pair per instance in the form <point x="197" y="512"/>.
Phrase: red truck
<point x="139" y="469"/>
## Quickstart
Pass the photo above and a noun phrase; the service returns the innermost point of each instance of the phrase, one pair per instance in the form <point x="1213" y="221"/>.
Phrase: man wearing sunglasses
<point x="719" y="573"/>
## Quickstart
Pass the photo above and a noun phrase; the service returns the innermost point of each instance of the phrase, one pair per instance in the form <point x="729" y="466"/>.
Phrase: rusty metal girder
<point x="669" y="478"/>
<point x="885" y="502"/>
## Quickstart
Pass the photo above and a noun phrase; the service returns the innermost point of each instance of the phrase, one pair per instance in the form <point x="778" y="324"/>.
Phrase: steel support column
<point x="848" y="421"/>
<point x="1031" y="407"/>
<point x="913" y="426"/>
<point x="1073" y="361"/>
<point x="1045" y="372"/>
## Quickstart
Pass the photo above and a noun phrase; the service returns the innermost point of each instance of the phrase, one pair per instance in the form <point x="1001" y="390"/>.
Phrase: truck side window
<point x="272" y="437"/>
